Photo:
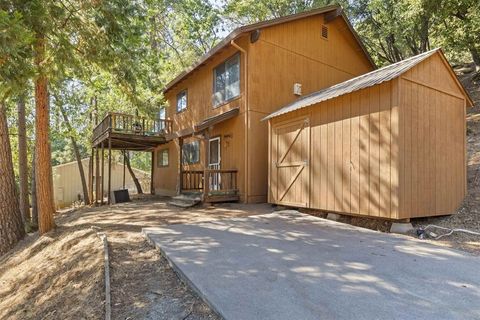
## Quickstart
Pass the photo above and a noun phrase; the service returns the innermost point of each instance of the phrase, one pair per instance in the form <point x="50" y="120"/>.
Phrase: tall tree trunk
<point x="43" y="165"/>
<point x="475" y="56"/>
<point x="34" y="195"/>
<point x="11" y="226"/>
<point x="77" y="155"/>
<point x="23" y="160"/>
<point x="134" y="178"/>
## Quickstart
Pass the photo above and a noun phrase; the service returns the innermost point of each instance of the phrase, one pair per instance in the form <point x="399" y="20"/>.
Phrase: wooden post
<point x="123" y="169"/>
<point x="180" y="144"/>
<point x="103" y="174"/>
<point x="90" y="177"/>
<point x="152" y="174"/>
<point x="206" y="176"/>
<point x="109" y="170"/>
<point x="97" y="176"/>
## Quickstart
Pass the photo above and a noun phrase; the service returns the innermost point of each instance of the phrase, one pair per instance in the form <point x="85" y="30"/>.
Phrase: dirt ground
<point x="60" y="275"/>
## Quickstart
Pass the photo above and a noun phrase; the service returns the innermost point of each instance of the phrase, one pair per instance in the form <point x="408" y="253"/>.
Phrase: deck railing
<point x="216" y="184"/>
<point x="220" y="183"/>
<point x="130" y="124"/>
<point x="192" y="180"/>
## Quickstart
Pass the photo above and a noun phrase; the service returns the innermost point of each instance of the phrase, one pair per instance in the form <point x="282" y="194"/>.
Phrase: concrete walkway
<point x="288" y="265"/>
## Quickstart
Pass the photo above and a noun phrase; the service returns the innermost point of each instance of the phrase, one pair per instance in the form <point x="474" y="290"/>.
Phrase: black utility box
<point x="120" y="196"/>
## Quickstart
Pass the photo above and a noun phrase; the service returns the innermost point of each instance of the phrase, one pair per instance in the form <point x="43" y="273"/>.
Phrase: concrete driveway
<point x="288" y="265"/>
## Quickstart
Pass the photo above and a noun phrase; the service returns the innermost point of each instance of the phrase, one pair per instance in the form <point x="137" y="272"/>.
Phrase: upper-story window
<point x="182" y="100"/>
<point x="226" y="80"/>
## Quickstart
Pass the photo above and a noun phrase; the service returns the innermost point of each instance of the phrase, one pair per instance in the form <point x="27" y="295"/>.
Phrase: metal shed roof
<point x="361" y="82"/>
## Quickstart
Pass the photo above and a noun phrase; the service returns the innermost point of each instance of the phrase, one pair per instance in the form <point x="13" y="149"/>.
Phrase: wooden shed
<point x="387" y="144"/>
<point x="67" y="184"/>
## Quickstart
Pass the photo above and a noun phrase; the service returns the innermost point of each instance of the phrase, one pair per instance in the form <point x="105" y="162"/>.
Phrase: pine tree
<point x="11" y="225"/>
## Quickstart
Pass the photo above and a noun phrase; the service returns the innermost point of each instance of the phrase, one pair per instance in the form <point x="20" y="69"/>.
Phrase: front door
<point x="214" y="160"/>
<point x="289" y="175"/>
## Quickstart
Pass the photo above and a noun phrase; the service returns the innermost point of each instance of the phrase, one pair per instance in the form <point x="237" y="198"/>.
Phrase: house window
<point x="191" y="153"/>
<point x="226" y="80"/>
<point x="162" y="115"/>
<point x="182" y="101"/>
<point x="162" y="158"/>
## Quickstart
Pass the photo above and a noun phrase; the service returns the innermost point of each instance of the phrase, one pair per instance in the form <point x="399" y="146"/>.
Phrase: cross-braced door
<point x="290" y="177"/>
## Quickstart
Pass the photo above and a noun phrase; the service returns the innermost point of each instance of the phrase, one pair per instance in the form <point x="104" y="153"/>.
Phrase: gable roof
<point x="361" y="82"/>
<point x="263" y="24"/>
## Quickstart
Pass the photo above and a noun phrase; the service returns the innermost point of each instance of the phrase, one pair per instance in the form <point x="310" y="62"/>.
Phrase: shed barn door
<point x="290" y="176"/>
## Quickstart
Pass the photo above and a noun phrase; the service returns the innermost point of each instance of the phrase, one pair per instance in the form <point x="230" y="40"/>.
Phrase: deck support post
<point x="123" y="169"/>
<point x="152" y="173"/>
<point x="97" y="176"/>
<point x="109" y="201"/>
<point x="103" y="173"/>
<point x="180" y="170"/>
<point x="206" y="176"/>
<point x="90" y="177"/>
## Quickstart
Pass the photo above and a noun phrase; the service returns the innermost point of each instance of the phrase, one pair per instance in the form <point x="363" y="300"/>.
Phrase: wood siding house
<point x="389" y="144"/>
<point x="216" y="107"/>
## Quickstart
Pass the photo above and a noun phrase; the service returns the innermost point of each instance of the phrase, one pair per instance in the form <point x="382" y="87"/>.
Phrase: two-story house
<point x="218" y="143"/>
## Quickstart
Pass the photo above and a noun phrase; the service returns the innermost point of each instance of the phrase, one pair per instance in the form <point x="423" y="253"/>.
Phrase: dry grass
<point x="53" y="277"/>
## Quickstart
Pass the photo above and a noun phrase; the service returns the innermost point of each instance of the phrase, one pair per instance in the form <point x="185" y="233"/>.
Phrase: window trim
<point x="160" y="152"/>
<point x="186" y="98"/>
<point x="224" y="63"/>
<point x="198" y="158"/>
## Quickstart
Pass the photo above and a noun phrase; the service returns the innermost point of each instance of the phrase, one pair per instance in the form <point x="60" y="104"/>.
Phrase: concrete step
<point x="188" y="196"/>
<point x="185" y="200"/>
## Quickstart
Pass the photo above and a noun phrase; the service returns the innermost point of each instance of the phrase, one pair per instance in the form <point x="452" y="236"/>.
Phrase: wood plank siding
<point x="351" y="156"/>
<point x="292" y="53"/>
<point x="433" y="152"/>
<point x="393" y="150"/>
<point x="286" y="53"/>
<point x="199" y="107"/>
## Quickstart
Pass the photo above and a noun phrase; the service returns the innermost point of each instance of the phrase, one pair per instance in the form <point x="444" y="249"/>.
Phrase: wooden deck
<point x="215" y="185"/>
<point x="128" y="132"/>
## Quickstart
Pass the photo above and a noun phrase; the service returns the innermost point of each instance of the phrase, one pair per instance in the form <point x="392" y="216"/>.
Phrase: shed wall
<point x="68" y="185"/>
<point x="354" y="152"/>
<point x="432" y="145"/>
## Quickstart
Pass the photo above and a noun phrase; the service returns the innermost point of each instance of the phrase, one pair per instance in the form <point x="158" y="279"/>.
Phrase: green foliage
<point x="15" y="50"/>
<point x="459" y="29"/>
<point x="250" y="11"/>
<point x="117" y="55"/>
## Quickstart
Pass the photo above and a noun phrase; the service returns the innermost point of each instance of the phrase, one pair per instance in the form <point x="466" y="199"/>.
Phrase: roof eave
<point x="468" y="99"/>
<point x="235" y="34"/>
